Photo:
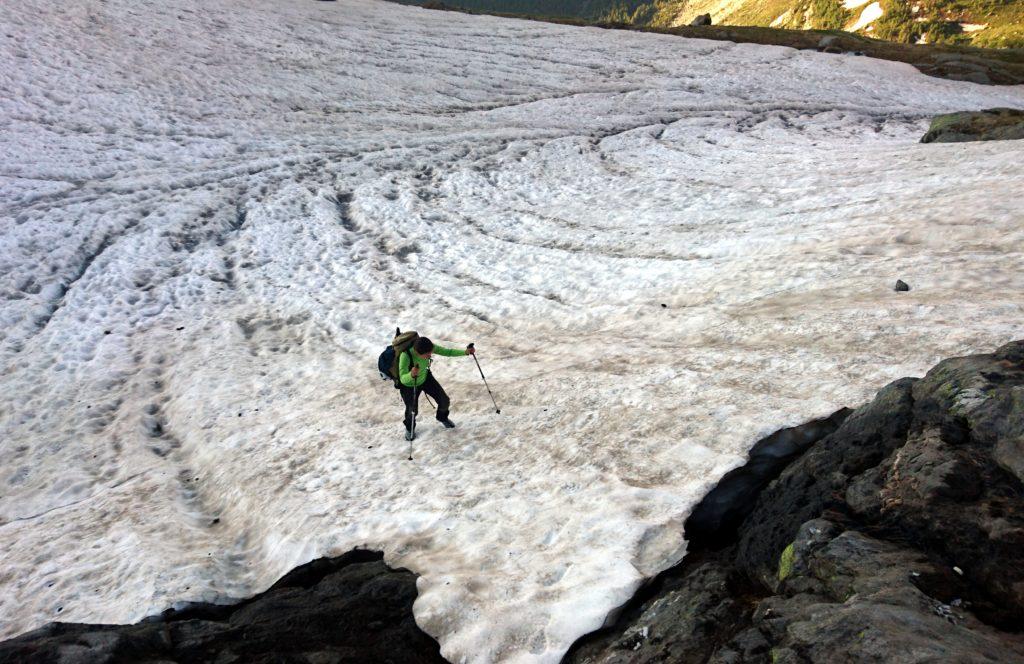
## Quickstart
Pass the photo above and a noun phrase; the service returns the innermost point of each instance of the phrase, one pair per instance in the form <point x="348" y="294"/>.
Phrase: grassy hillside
<point x="982" y="23"/>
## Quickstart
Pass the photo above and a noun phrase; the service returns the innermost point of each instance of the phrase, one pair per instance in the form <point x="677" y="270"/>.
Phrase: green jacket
<point x="406" y="360"/>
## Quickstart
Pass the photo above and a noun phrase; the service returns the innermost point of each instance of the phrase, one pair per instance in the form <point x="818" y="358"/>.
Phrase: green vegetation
<point x="655" y="13"/>
<point x="1004" y="18"/>
<point x="1010" y="36"/>
<point x="759" y="13"/>
<point x="786" y="562"/>
<point x="829" y="15"/>
<point x="817" y="15"/>
<point x="897" y="23"/>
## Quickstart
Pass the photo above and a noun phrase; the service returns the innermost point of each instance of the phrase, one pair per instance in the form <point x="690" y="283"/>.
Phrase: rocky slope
<point x="347" y="609"/>
<point x="975" y="22"/>
<point x="980" y="23"/>
<point x="898" y="537"/>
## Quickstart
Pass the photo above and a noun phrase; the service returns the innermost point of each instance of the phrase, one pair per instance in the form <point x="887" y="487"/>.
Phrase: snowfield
<point x="215" y="213"/>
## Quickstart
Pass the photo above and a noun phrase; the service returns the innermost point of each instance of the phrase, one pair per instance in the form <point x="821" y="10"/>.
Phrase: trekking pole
<point x="496" y="409"/>
<point x="430" y="401"/>
<point x="415" y="407"/>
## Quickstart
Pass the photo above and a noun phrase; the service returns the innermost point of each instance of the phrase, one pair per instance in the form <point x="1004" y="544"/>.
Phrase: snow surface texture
<point x="215" y="213"/>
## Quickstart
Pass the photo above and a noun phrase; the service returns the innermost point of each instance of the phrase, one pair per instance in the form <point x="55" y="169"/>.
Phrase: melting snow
<point x="214" y="214"/>
<point x="871" y="13"/>
<point x="780" y="19"/>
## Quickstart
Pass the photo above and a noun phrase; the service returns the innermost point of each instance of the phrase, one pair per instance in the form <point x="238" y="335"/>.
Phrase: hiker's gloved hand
<point x="470" y="350"/>
<point x="415" y="371"/>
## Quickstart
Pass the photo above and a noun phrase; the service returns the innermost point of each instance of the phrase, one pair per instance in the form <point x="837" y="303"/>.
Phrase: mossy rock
<point x="996" y="124"/>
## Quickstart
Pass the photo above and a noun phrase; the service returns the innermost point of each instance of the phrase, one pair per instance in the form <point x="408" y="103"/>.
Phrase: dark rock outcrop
<point x="715" y="519"/>
<point x="995" y="124"/>
<point x="348" y="609"/>
<point x="703" y="19"/>
<point x="901" y="286"/>
<point x="682" y="618"/>
<point x="843" y="595"/>
<point x="898" y="537"/>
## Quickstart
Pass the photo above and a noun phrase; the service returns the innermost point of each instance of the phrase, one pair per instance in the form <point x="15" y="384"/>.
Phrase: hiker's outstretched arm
<point x="449" y="352"/>
<point x="404" y="376"/>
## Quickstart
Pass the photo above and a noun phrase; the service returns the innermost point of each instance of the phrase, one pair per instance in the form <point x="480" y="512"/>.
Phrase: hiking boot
<point x="409" y="434"/>
<point x="448" y="424"/>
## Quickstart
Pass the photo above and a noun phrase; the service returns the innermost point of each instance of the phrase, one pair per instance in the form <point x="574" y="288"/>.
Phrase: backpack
<point x="387" y="363"/>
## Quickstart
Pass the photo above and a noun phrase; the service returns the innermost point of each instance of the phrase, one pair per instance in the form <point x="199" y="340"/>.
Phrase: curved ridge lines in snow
<point x="213" y="215"/>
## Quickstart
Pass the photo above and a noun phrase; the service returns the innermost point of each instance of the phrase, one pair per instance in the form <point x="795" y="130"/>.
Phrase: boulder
<point x="816" y="482"/>
<point x="703" y="19"/>
<point x="996" y="124"/>
<point x="853" y="597"/>
<point x="922" y="463"/>
<point x="901" y="286"/>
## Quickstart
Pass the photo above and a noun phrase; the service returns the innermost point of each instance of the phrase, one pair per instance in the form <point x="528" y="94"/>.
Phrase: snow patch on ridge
<point x="871" y="13"/>
<point x="219" y="212"/>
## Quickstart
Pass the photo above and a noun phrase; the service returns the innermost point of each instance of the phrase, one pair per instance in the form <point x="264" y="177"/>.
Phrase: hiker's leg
<point x="410" y="405"/>
<point x="434" y="389"/>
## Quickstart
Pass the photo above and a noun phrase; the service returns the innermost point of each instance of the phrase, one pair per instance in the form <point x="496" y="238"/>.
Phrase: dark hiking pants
<point x="432" y="388"/>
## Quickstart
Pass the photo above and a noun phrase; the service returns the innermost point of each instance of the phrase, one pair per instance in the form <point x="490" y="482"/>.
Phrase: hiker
<point x="414" y="376"/>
